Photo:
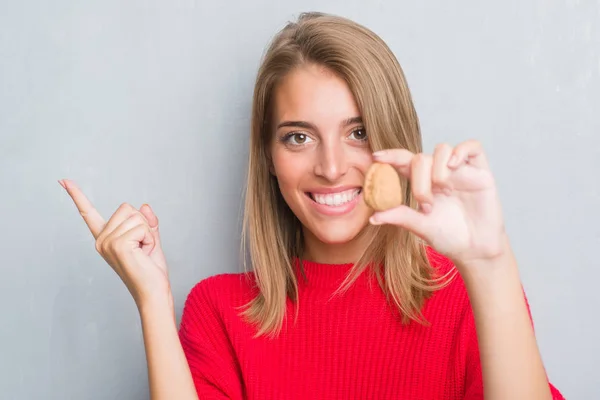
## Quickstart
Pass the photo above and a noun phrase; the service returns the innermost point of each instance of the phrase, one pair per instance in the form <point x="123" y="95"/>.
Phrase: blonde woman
<point x="422" y="301"/>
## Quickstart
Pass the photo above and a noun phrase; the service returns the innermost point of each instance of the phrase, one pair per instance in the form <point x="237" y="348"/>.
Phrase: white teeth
<point x="336" y="199"/>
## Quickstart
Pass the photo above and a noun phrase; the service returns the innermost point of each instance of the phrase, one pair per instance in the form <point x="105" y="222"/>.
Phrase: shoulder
<point x="216" y="290"/>
<point x="214" y="303"/>
<point x="228" y="282"/>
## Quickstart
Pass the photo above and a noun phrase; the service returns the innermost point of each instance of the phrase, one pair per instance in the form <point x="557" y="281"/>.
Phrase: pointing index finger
<point x="90" y="215"/>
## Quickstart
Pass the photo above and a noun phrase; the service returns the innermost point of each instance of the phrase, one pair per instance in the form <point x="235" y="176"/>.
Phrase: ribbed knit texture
<point x="352" y="346"/>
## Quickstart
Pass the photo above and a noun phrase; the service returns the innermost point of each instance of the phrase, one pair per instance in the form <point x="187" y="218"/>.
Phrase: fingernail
<point x="379" y="153"/>
<point x="426" y="208"/>
<point x="62" y="184"/>
<point x="374" y="220"/>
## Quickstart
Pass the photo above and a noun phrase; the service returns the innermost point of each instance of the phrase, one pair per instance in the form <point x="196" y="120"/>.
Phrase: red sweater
<point x="348" y="347"/>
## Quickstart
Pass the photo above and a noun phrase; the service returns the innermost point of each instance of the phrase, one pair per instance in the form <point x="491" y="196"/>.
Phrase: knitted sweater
<point x="351" y="346"/>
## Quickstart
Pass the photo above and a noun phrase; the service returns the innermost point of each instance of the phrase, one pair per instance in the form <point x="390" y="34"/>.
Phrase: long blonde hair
<point x="272" y="234"/>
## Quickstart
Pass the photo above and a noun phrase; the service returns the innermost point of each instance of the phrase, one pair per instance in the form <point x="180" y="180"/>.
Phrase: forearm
<point x="510" y="359"/>
<point x="169" y="375"/>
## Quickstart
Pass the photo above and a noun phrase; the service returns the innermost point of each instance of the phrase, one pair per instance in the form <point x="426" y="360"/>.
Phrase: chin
<point x="338" y="233"/>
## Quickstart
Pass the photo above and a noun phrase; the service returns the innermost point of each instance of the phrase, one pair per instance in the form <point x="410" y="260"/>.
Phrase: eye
<point x="296" y="138"/>
<point x="359" y="134"/>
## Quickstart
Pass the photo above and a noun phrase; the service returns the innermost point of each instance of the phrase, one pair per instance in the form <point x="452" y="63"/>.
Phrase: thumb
<point x="404" y="217"/>
<point x="152" y="219"/>
<point x="147" y="211"/>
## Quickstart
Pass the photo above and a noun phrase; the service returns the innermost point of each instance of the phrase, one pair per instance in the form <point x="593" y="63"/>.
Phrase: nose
<point x="331" y="163"/>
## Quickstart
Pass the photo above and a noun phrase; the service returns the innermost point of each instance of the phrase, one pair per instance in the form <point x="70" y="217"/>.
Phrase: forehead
<point x="313" y="93"/>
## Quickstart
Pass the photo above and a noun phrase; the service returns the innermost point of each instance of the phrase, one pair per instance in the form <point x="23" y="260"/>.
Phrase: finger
<point x="398" y="158"/>
<point x="125" y="233"/>
<point x="404" y="217"/>
<point x="90" y="215"/>
<point x="420" y="178"/>
<point x="470" y="152"/>
<point x="140" y="236"/>
<point x="121" y="214"/>
<point x="440" y="171"/>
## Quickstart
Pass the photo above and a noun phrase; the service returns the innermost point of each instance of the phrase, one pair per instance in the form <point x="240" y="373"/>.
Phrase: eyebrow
<point x="308" y="125"/>
<point x="352" y="121"/>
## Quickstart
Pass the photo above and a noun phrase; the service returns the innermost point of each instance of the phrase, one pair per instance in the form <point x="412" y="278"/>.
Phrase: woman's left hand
<point x="460" y="214"/>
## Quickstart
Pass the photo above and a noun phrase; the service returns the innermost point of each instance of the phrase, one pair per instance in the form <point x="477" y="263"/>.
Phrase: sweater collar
<point x="333" y="275"/>
<point x="315" y="274"/>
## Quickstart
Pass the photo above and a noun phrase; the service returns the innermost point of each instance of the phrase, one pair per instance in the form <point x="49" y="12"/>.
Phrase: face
<point x="320" y="154"/>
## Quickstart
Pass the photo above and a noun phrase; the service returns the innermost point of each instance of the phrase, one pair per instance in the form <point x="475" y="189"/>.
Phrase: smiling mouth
<point x="334" y="199"/>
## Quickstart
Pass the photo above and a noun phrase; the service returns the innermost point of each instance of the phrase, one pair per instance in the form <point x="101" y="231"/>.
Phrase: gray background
<point x="148" y="101"/>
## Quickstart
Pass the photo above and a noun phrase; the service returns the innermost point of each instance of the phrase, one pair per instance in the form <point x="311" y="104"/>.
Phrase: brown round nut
<point x="382" y="189"/>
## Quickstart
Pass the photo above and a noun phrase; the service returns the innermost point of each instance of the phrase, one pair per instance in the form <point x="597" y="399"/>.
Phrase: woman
<point x="342" y="302"/>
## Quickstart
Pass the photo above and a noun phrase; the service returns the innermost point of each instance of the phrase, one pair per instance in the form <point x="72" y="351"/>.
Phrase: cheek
<point x="362" y="159"/>
<point x="290" y="169"/>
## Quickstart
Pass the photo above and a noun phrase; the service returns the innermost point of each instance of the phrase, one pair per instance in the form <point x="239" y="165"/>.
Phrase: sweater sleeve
<point x="474" y="377"/>
<point x="207" y="347"/>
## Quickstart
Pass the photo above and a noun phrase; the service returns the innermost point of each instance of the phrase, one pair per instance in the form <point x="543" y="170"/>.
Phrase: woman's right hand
<point x="130" y="244"/>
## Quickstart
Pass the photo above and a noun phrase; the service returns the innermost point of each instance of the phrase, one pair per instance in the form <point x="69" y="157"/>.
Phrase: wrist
<point x="492" y="279"/>
<point x="157" y="305"/>
<point x="495" y="257"/>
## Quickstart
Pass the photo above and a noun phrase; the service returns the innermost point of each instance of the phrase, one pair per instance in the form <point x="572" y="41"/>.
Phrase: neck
<point x="335" y="253"/>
